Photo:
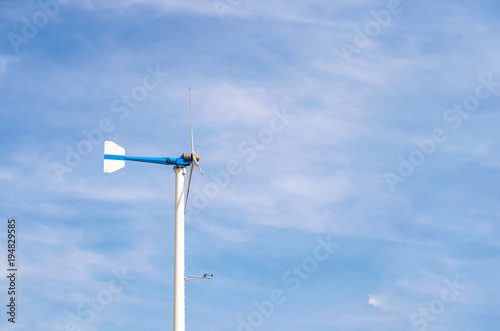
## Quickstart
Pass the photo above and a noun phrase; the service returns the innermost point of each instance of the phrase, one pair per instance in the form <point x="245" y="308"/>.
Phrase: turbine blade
<point x="187" y="193"/>
<point x="195" y="163"/>
<point x="191" y="121"/>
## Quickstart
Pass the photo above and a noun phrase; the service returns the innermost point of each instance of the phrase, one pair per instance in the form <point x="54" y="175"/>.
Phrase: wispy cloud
<point x="320" y="173"/>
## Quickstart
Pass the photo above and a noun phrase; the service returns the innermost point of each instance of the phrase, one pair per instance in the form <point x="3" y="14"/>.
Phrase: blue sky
<point x="348" y="149"/>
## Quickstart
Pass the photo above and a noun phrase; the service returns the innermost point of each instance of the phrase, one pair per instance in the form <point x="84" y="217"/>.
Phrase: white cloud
<point x="373" y="301"/>
<point x="196" y="6"/>
<point x="4" y="62"/>
<point x="318" y="175"/>
<point x="385" y="303"/>
<point x="226" y="104"/>
<point x="7" y="174"/>
<point x="295" y="11"/>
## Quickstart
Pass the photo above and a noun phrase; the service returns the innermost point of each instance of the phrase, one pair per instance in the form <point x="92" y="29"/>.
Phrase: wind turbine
<point x="114" y="159"/>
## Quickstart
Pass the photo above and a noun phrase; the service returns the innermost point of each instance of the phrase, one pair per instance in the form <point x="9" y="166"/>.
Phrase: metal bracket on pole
<point x="205" y="276"/>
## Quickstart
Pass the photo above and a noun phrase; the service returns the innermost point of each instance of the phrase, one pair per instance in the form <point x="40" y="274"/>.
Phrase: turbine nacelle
<point x="188" y="157"/>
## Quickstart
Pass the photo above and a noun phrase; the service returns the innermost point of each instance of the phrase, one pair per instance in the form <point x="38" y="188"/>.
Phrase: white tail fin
<point x="112" y="149"/>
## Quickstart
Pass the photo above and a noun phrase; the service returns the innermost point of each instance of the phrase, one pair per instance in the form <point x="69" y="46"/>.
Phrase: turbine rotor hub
<point x="186" y="157"/>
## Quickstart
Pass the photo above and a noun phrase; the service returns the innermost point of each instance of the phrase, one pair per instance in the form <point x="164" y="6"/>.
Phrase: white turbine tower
<point x="114" y="159"/>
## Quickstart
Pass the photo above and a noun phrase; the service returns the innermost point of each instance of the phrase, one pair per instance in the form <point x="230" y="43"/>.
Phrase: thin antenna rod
<point x="192" y="150"/>
<point x="189" y="184"/>
<point x="191" y="122"/>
